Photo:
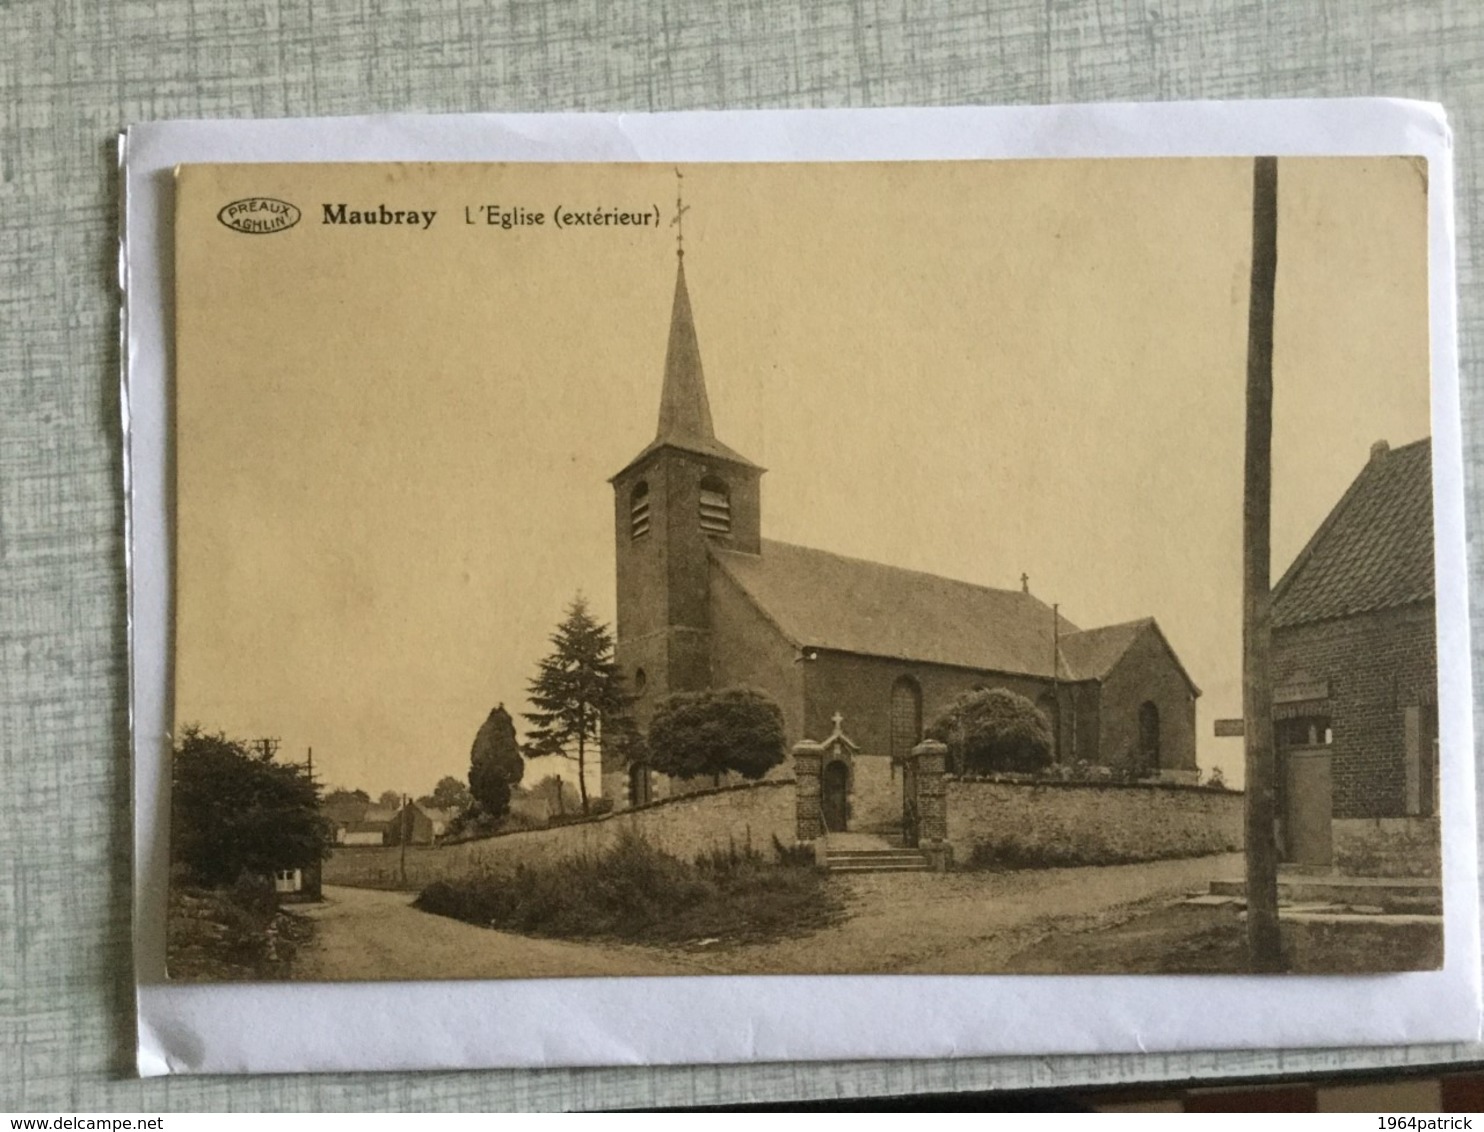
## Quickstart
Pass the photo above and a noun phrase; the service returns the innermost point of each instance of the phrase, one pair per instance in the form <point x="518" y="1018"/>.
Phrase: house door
<point x="833" y="785"/>
<point x="1307" y="806"/>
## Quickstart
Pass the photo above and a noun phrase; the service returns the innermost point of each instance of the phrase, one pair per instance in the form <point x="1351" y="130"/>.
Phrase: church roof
<point x="685" y="409"/>
<point x="823" y="600"/>
<point x="830" y="601"/>
<point x="1374" y="551"/>
<point x="1092" y="653"/>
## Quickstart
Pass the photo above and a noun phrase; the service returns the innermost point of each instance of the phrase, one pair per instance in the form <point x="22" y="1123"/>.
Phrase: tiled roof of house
<point x="349" y="810"/>
<point x="826" y="600"/>
<point x="1374" y="551"/>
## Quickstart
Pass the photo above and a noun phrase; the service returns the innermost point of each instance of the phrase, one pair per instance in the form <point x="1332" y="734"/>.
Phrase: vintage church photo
<point x="631" y="569"/>
<point x="705" y="601"/>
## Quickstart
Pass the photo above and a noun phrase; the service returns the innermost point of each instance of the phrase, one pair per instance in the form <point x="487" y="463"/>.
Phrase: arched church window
<point x="641" y="681"/>
<point x="906" y="716"/>
<point x="716" y="507"/>
<point x="1149" y="735"/>
<point x="639" y="510"/>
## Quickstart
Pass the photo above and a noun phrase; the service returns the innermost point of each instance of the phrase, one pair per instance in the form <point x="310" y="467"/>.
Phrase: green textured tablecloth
<point x="73" y="74"/>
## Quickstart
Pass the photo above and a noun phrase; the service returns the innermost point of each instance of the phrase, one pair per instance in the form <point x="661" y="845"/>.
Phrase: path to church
<point x="903" y="923"/>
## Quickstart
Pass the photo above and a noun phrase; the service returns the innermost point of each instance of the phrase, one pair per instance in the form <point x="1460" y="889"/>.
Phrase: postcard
<point x="591" y="577"/>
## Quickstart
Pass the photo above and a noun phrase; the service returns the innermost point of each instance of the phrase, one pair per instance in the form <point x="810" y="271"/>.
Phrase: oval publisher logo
<point x="259" y="216"/>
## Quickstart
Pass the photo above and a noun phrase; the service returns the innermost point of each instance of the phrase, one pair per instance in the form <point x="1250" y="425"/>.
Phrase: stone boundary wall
<point x="1388" y="847"/>
<point x="1090" y="823"/>
<point x="686" y="826"/>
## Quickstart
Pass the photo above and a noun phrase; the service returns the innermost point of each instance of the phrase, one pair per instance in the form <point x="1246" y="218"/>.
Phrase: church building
<point x="704" y="601"/>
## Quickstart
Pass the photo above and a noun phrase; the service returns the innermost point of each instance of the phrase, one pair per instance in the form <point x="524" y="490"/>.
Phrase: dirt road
<point x="900" y="923"/>
<point x="367" y="934"/>
<point x="963" y="923"/>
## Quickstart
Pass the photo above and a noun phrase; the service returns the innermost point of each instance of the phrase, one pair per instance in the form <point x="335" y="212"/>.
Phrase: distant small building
<point x="417" y="825"/>
<point x="298" y="886"/>
<point x="372" y="828"/>
<point x="1356" y="680"/>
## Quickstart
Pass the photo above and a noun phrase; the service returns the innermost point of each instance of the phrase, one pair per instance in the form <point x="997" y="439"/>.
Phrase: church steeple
<point x="685" y="408"/>
<point x="685" y="411"/>
<point x="684" y="496"/>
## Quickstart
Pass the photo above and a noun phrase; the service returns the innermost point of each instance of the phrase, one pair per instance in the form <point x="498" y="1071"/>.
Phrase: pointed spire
<point x="685" y="411"/>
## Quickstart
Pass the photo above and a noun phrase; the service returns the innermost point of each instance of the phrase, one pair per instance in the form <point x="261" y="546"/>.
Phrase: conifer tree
<point x="495" y="764"/>
<point x="577" y="693"/>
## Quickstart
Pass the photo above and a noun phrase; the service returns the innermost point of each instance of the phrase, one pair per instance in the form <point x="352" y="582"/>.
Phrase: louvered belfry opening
<point x="716" y="507"/>
<point x="639" y="510"/>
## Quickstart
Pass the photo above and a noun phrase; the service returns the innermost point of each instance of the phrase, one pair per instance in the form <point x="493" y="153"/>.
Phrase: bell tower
<point x="683" y="493"/>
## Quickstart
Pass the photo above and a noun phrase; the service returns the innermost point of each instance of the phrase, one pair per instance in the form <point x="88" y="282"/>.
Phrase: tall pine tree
<point x="577" y="693"/>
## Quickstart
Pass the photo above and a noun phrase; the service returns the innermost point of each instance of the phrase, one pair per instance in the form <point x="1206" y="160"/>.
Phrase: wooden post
<point x="1264" y="945"/>
<point x="406" y="820"/>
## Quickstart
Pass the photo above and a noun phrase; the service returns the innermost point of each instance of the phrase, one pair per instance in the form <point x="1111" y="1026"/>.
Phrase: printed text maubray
<point x="343" y="214"/>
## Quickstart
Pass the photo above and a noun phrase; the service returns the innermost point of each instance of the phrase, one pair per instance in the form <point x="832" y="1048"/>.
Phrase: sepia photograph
<point x="935" y="567"/>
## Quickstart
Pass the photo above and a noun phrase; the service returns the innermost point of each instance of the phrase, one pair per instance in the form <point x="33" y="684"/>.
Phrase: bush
<point x="795" y="856"/>
<point x="636" y="892"/>
<point x="233" y="811"/>
<point x="993" y="730"/>
<point x="709" y="734"/>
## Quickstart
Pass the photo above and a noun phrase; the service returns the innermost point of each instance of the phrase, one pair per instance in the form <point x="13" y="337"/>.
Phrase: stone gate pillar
<point x="809" y="818"/>
<point x="931" y="763"/>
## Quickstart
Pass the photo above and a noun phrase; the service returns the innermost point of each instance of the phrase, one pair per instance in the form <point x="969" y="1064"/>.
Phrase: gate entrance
<point x="834" y="786"/>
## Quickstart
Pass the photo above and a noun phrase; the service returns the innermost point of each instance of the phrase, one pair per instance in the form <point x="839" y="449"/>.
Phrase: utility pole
<point x="1055" y="681"/>
<point x="1264" y="945"/>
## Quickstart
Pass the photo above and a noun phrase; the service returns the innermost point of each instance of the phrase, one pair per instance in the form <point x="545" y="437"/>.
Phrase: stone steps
<point x="875" y="861"/>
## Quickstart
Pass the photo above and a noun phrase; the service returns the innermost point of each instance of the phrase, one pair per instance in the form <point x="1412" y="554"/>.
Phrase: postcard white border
<point x="274" y="1028"/>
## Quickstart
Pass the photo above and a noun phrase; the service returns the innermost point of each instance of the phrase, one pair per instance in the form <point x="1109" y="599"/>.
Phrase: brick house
<point x="705" y="601"/>
<point x="1355" y="676"/>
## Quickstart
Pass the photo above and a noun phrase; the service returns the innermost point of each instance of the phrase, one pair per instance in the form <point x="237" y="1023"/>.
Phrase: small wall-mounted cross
<point x="837" y="719"/>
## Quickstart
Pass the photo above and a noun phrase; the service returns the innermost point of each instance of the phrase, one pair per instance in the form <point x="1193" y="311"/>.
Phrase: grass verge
<point x="637" y="893"/>
<point x="1010" y="855"/>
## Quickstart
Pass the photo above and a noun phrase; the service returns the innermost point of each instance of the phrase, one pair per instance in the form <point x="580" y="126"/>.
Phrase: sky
<point x="393" y="441"/>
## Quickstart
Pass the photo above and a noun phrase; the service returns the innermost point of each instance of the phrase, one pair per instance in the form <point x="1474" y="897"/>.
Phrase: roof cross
<point x="678" y="223"/>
